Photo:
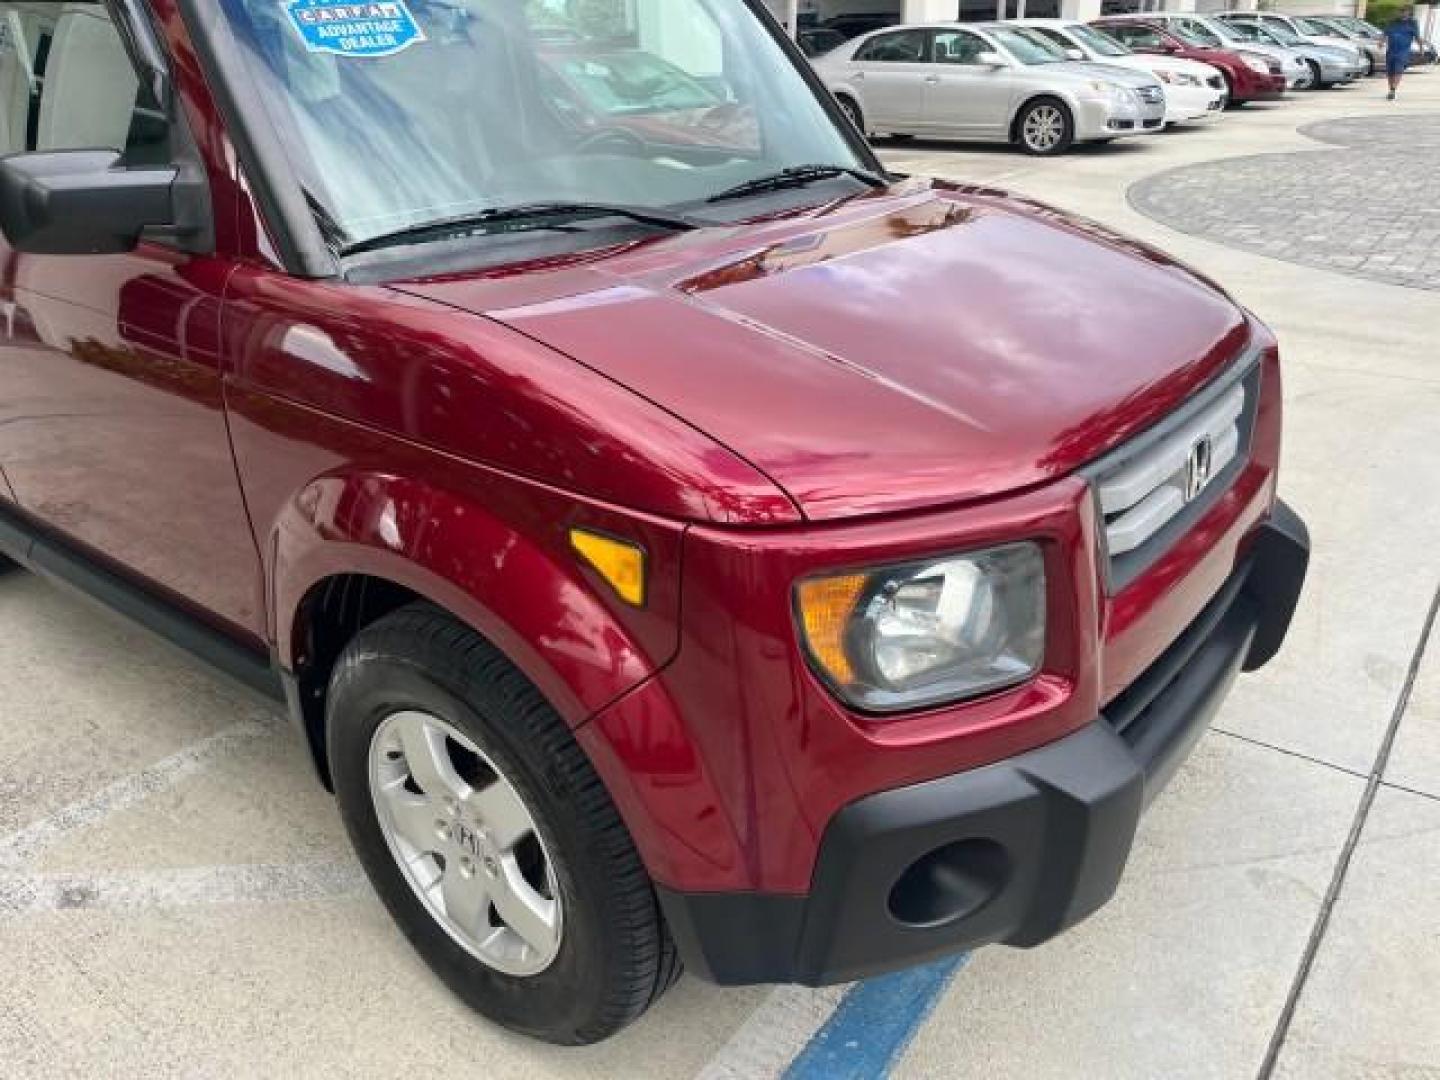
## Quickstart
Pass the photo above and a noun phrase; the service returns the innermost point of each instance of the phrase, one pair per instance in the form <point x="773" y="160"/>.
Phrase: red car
<point x="1249" y="76"/>
<point x="668" y="553"/>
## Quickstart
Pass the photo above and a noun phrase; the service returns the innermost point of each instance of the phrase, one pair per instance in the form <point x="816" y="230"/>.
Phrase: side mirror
<point x="1074" y="54"/>
<point x="990" y="58"/>
<point x="80" y="202"/>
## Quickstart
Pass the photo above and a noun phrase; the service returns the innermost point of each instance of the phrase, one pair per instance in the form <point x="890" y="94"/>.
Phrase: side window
<point x="1138" y="37"/>
<point x="67" y="83"/>
<point x="902" y="47"/>
<point x="957" y="47"/>
<point x="1053" y="36"/>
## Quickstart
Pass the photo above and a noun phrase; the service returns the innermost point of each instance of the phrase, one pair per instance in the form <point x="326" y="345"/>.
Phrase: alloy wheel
<point x="466" y="843"/>
<point x="1043" y="129"/>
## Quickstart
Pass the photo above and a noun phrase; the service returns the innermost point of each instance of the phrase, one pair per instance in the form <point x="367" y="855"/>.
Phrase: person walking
<point x="1400" y="38"/>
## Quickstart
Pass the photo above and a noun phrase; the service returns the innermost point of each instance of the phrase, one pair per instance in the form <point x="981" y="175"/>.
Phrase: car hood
<point x="1339" y="44"/>
<point x="1323" y="50"/>
<point x="1283" y="53"/>
<point x="1090" y="69"/>
<point x="1177" y="65"/>
<point x="919" y="347"/>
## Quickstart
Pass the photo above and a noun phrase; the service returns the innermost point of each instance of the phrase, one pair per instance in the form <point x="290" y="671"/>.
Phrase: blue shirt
<point x="1400" y="36"/>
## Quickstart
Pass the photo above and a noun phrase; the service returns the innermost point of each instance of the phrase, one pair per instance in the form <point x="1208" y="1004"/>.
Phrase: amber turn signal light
<point x="619" y="562"/>
<point x="826" y="605"/>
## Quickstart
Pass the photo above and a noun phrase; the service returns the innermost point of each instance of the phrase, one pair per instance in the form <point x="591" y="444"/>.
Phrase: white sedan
<point x="1193" y="91"/>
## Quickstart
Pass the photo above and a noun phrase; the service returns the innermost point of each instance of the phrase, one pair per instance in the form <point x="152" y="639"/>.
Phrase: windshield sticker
<point x="379" y="28"/>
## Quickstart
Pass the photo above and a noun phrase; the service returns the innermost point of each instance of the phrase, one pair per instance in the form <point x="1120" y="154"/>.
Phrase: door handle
<point x="859" y="76"/>
<point x="932" y="79"/>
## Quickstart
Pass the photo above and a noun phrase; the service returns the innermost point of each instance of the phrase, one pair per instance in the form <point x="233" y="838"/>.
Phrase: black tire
<point x="615" y="956"/>
<point x="1053" y="112"/>
<point x="851" y="108"/>
<point x="1316" y="75"/>
<point x="1369" y="66"/>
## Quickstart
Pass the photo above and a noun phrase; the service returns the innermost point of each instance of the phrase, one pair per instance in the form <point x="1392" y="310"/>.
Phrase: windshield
<point x="1281" y="32"/>
<point x="400" y="113"/>
<point x="1027" y="46"/>
<point x="1095" y="41"/>
<point x="1360" y="26"/>
<point x="1316" y="27"/>
<point x="1232" y="31"/>
<point x="1194" y="32"/>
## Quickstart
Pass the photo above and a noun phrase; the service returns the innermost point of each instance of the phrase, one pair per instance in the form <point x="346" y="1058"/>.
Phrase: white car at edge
<point x="1193" y="91"/>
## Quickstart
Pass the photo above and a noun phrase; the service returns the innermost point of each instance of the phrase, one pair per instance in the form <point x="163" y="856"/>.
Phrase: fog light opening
<point x="949" y="883"/>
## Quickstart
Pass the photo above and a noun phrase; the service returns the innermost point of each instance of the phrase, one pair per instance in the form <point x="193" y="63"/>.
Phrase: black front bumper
<point x="1014" y="852"/>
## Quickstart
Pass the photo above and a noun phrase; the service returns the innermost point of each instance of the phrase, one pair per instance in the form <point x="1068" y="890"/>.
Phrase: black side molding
<point x="35" y="548"/>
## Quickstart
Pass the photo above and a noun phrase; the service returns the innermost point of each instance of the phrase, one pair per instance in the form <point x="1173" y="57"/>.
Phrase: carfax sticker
<point x="377" y="28"/>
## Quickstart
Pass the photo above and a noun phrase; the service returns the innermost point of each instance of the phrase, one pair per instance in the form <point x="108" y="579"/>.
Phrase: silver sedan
<point x="987" y="83"/>
<point x="1326" y="54"/>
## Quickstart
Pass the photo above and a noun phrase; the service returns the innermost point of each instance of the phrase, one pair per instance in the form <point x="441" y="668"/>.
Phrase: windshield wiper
<point x="797" y="176"/>
<point x="540" y="215"/>
<point x="333" y="235"/>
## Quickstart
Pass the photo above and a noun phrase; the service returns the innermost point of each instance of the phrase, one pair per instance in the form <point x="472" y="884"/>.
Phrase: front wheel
<point x="1045" y="128"/>
<point x="1314" y="82"/>
<point x="488" y="835"/>
<point x="852" y="112"/>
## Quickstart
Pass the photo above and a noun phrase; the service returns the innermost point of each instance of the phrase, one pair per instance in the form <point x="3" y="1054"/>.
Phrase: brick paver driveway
<point x="1366" y="207"/>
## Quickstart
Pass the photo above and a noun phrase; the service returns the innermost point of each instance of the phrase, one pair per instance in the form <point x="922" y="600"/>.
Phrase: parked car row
<point x="818" y="38"/>
<point x="1046" y="84"/>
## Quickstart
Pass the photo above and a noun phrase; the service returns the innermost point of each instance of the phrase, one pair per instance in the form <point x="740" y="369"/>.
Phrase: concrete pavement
<point x="177" y="899"/>
<point x="1235" y="886"/>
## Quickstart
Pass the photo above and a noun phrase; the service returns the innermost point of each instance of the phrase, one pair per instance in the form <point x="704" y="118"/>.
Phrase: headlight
<point x="923" y="633"/>
<point x="1257" y="62"/>
<point x="1113" y="91"/>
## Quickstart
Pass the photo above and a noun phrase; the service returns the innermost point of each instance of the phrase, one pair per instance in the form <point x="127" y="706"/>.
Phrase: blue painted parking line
<point x="873" y="1024"/>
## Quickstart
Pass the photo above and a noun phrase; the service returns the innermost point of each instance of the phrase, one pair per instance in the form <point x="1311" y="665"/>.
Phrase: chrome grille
<point x="1154" y="488"/>
<point x="1151" y="95"/>
<point x="1139" y="499"/>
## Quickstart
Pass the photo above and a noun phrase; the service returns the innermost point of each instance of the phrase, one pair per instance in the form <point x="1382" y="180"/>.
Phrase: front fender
<point x="495" y="553"/>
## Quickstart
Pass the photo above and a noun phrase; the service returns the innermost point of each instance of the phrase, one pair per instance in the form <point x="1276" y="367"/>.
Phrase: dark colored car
<point x="819" y="40"/>
<point x="850" y="26"/>
<point x="1249" y="76"/>
<point x="657" y="562"/>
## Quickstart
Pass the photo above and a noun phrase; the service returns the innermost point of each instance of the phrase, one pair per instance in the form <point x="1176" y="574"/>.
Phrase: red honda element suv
<point x="677" y="538"/>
